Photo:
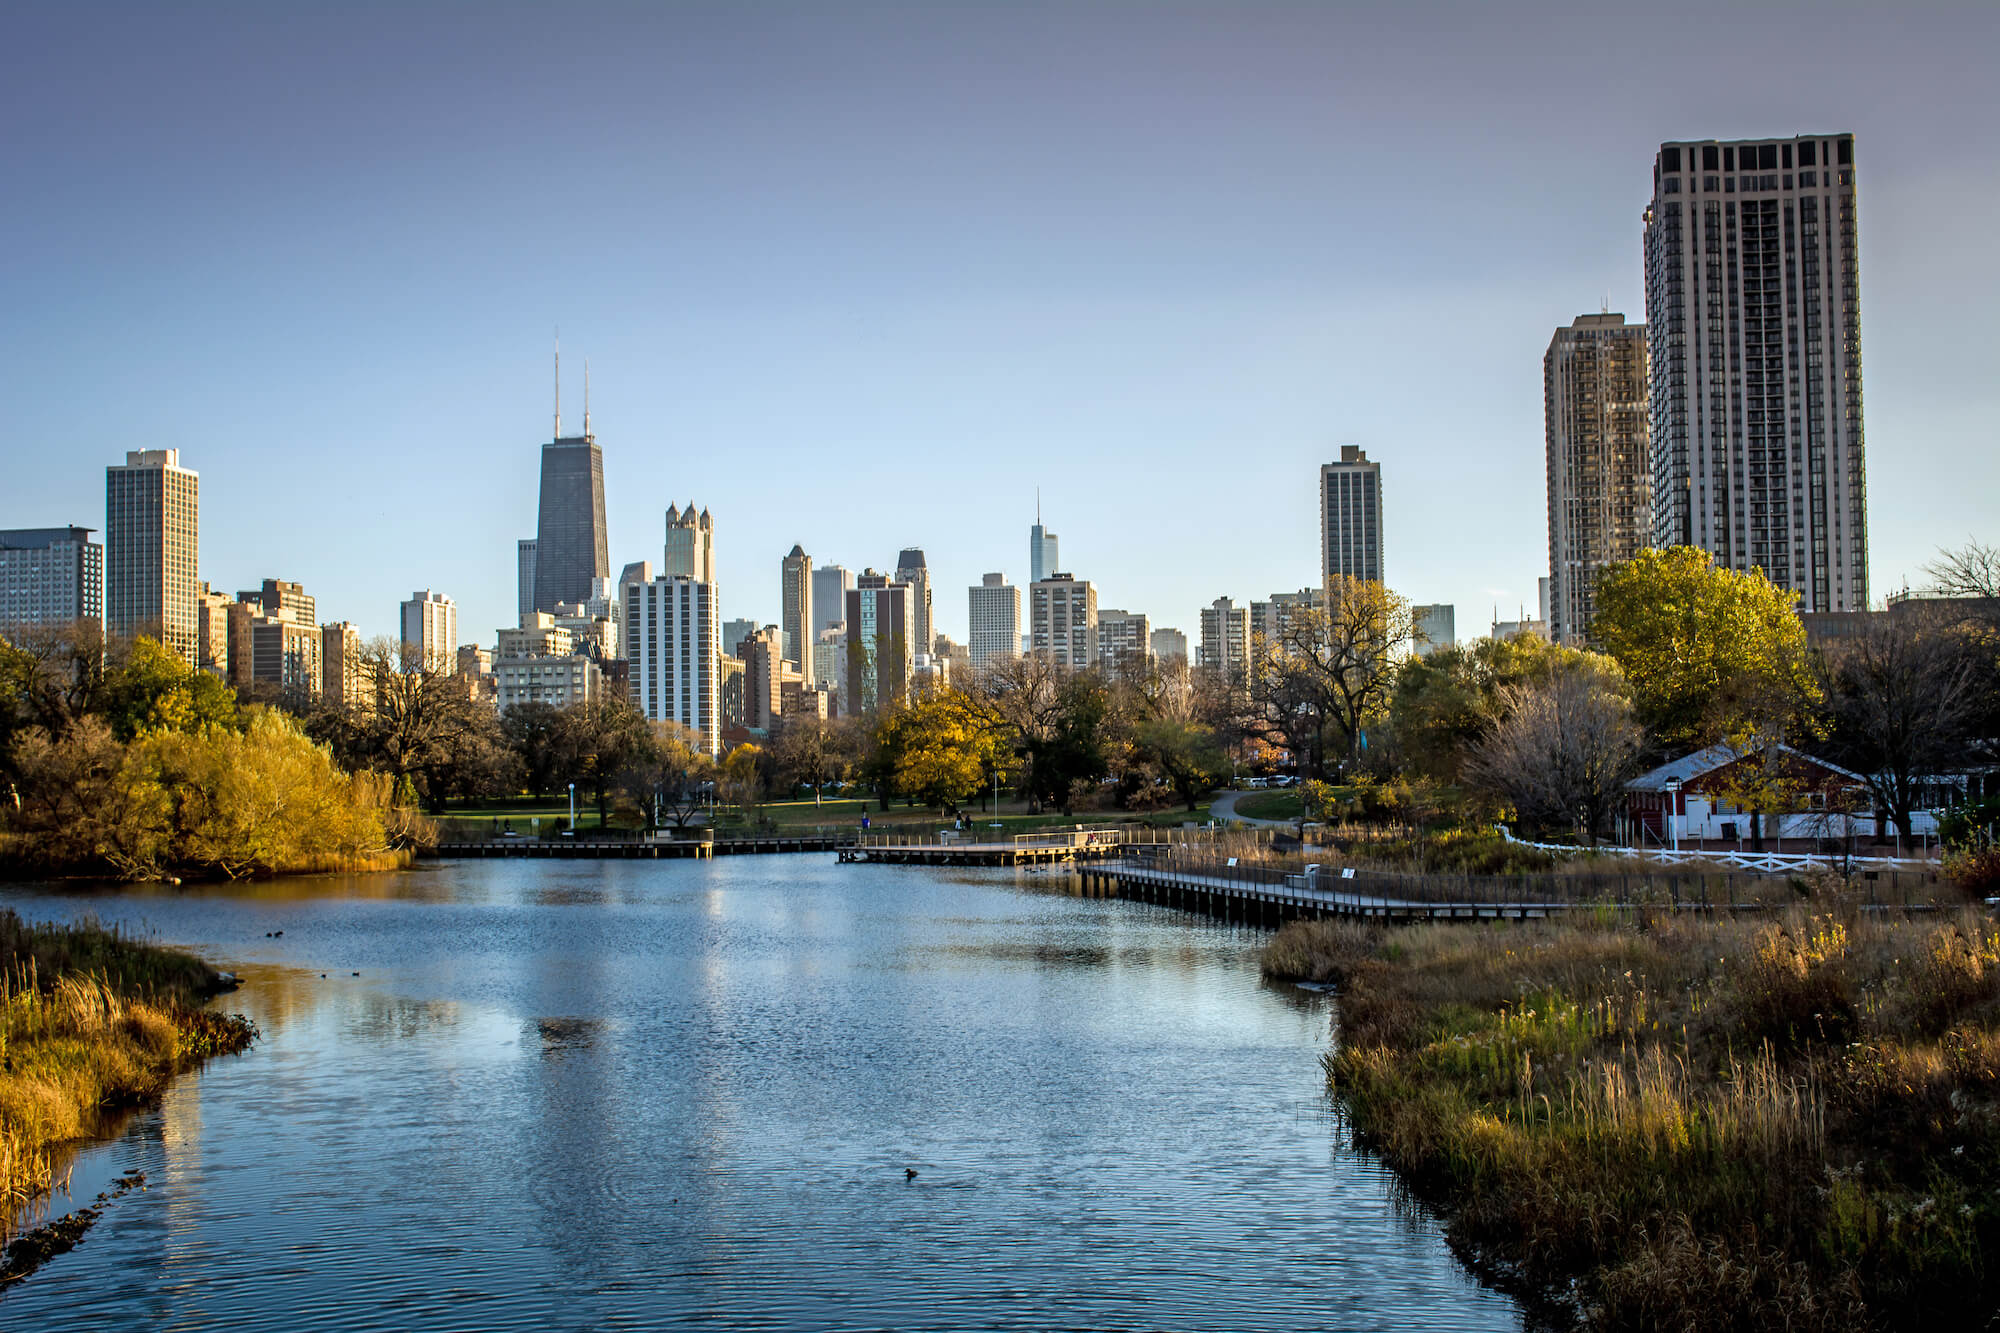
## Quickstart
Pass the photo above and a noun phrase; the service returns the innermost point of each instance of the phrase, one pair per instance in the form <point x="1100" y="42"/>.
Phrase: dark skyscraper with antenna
<point x="571" y="547"/>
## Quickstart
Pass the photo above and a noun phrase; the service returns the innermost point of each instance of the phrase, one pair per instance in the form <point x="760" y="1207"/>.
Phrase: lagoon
<point x="605" y="1094"/>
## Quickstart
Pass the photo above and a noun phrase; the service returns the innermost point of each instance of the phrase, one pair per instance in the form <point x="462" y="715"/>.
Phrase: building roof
<point x="1700" y="762"/>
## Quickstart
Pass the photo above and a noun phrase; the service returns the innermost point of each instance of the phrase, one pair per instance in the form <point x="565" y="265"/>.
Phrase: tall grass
<point x="90" y="1021"/>
<point x="1707" y="1123"/>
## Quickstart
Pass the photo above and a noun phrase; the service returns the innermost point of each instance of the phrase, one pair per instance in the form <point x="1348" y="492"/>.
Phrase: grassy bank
<point x="1774" y="1121"/>
<point x="90" y="1021"/>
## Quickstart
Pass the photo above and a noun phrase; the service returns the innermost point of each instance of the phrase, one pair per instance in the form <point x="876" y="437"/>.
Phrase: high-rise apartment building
<point x="286" y="656"/>
<point x="212" y="612"/>
<point x="524" y="576"/>
<point x="1272" y="617"/>
<point x="571" y="545"/>
<point x="1225" y="639"/>
<point x="910" y="569"/>
<point x="1124" y="642"/>
<point x="1434" y="626"/>
<point x="795" y="618"/>
<point x="994" y="619"/>
<point x="1062" y="621"/>
<point x="1753" y="315"/>
<point x="673" y="642"/>
<point x="283" y="600"/>
<point x="50" y="577"/>
<point x="1169" y="644"/>
<point x="342" y="682"/>
<point x="881" y="654"/>
<point x="429" y="632"/>
<point x="1595" y="410"/>
<point x="1350" y="517"/>
<point x="830" y="585"/>
<point x="690" y="548"/>
<point x="152" y="530"/>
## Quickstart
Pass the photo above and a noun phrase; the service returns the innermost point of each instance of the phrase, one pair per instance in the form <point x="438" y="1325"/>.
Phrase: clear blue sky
<point x="863" y="277"/>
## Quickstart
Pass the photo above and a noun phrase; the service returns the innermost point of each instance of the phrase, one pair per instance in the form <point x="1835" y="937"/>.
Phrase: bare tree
<point x="667" y="775"/>
<point x="1971" y="571"/>
<point x="1904" y="698"/>
<point x="1563" y="747"/>
<point x="1328" y="673"/>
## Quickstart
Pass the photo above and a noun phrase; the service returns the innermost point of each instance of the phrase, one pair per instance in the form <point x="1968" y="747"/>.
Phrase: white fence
<point x="1764" y="862"/>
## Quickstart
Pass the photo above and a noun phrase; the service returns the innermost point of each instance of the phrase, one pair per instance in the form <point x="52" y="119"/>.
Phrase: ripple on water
<point x="622" y="1095"/>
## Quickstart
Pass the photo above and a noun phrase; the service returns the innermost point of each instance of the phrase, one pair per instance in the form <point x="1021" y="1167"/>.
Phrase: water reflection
<point x="583" y="1094"/>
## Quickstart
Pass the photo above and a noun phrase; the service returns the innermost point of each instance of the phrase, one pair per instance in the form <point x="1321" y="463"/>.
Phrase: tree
<point x="1189" y="756"/>
<point x="1904" y="699"/>
<point x="812" y="750"/>
<point x="739" y="781"/>
<point x="936" y="748"/>
<point x="594" y="741"/>
<point x="1327" y="675"/>
<point x="534" y="732"/>
<point x="1563" y="747"/>
<point x="1708" y="652"/>
<point x="1971" y="571"/>
<point x="1448" y="701"/>
<point x="424" y="726"/>
<point x="667" y="774"/>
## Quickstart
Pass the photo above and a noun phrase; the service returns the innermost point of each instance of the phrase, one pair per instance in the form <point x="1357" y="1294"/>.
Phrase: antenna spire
<point x="1038" y="506"/>
<point x="586" y="396"/>
<point x="558" y="434"/>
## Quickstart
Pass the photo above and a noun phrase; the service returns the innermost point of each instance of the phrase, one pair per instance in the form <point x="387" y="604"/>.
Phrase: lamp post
<point x="1674" y="812"/>
<point x="572" y="807"/>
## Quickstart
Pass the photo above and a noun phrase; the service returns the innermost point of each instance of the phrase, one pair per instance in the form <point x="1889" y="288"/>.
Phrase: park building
<point x="993" y="609"/>
<point x="152" y="538"/>
<point x="50" y="577"/>
<point x="1753" y="324"/>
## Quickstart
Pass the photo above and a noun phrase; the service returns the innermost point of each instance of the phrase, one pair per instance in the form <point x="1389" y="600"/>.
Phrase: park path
<point x="1224" y="808"/>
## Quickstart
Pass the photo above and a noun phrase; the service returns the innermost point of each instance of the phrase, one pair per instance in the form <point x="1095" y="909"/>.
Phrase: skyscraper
<point x="795" y="619"/>
<point x="994" y="619"/>
<point x="1043" y="559"/>
<point x="910" y="569"/>
<point x="1753" y="313"/>
<point x="50" y="576"/>
<point x="152" y="529"/>
<point x="571" y="547"/>
<point x="524" y="564"/>
<point x="1600" y="474"/>
<point x="879" y="653"/>
<point x="1350" y="517"/>
<point x="430" y="632"/>
<point x="1124" y="642"/>
<point x="830" y="585"/>
<point x="690" y="548"/>
<point x="672" y="631"/>
<point x="1225" y="639"/>
<point x="1062" y="621"/>
<point x="1435" y="627"/>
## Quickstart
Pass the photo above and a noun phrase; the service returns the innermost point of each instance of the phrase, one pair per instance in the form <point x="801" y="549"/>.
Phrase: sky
<point x="865" y="277"/>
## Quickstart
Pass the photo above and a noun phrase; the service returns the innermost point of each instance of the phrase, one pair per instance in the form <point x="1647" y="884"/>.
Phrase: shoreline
<point x="1714" y="1123"/>
<point x="92" y="1024"/>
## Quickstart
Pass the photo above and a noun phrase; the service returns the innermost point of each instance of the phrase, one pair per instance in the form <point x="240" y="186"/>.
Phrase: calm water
<point x="602" y="1095"/>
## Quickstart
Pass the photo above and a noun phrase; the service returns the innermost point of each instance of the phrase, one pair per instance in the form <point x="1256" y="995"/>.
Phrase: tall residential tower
<point x="1350" y="517"/>
<point x="1600" y="478"/>
<point x="152" y="523"/>
<point x="1753" y="313"/>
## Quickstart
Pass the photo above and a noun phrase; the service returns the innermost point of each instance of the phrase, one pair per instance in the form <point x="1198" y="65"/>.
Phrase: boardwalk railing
<point x="1768" y="862"/>
<point x="1110" y="835"/>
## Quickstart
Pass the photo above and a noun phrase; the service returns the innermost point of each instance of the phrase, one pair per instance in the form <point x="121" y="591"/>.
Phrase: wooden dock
<point x="1079" y="846"/>
<point x="650" y="849"/>
<point x="1264" y="897"/>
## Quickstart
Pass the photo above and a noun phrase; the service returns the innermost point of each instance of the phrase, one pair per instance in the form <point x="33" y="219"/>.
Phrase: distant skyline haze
<point x="863" y="277"/>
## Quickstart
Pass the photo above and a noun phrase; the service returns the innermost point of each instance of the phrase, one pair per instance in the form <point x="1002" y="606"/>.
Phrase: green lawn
<point x="1283" y="804"/>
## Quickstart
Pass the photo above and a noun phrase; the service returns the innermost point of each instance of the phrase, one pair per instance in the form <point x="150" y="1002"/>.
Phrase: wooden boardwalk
<point x="1079" y="846"/>
<point x="641" y="848"/>
<point x="1270" y="898"/>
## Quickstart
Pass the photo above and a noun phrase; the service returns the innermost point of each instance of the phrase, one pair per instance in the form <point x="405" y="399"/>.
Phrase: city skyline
<point x="1231" y="350"/>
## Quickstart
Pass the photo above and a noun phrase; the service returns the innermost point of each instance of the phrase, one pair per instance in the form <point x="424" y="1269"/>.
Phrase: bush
<point x="1974" y="869"/>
